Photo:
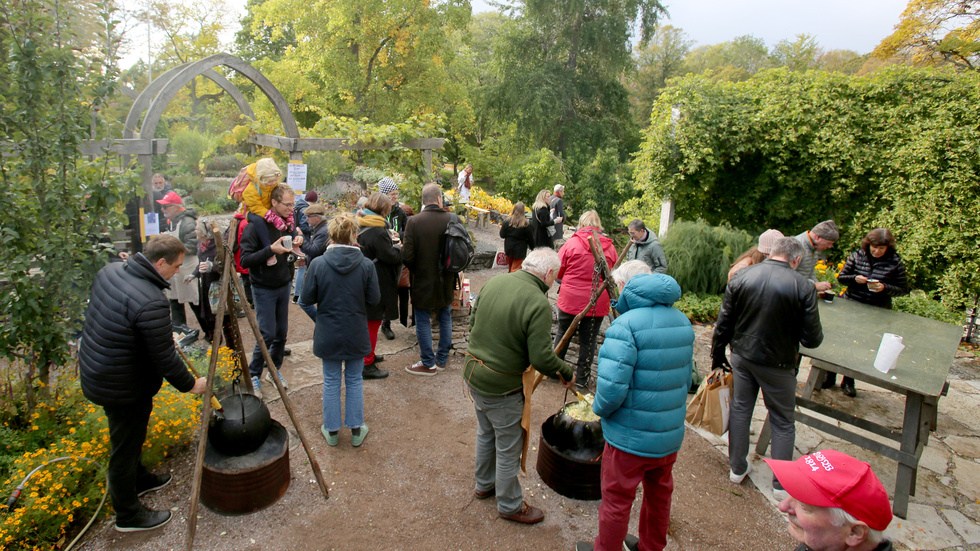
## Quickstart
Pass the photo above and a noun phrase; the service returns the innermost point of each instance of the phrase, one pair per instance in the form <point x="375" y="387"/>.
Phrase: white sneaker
<point x="268" y="375"/>
<point x="780" y="495"/>
<point x="257" y="387"/>
<point x="738" y="478"/>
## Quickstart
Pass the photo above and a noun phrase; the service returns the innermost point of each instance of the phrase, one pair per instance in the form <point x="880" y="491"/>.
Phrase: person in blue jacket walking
<point x="644" y="376"/>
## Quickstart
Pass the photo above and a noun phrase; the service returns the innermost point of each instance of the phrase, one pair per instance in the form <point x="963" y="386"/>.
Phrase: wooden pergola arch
<point x="158" y="95"/>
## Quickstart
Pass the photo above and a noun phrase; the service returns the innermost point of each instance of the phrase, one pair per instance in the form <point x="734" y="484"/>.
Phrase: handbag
<point x="403" y="280"/>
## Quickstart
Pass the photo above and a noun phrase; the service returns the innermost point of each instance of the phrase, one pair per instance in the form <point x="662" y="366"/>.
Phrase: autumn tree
<point x="384" y="60"/>
<point x="661" y="59"/>
<point x="934" y="32"/>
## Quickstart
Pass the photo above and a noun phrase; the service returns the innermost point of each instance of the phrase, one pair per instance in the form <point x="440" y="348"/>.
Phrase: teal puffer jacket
<point x="645" y="369"/>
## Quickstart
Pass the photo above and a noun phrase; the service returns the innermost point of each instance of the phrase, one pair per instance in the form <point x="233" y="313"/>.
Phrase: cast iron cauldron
<point x="243" y="425"/>
<point x="570" y="456"/>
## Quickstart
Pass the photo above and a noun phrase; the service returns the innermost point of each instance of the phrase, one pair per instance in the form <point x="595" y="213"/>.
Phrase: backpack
<point x="459" y="247"/>
<point x="239" y="184"/>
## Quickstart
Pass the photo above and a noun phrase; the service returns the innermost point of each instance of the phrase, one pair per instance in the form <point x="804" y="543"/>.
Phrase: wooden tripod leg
<point x="250" y="315"/>
<point x="202" y="435"/>
<point x="253" y="322"/>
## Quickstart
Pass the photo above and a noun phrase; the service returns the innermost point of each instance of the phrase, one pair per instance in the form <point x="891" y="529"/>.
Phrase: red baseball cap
<point x="171" y="199"/>
<point x="830" y="478"/>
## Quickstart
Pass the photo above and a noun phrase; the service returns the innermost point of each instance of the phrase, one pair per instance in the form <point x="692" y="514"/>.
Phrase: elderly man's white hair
<point x="540" y="260"/>
<point x="627" y="270"/>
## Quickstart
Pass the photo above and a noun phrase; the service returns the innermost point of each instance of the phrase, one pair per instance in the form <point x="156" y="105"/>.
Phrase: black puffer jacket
<point x="768" y="311"/>
<point x="889" y="270"/>
<point x="127" y="347"/>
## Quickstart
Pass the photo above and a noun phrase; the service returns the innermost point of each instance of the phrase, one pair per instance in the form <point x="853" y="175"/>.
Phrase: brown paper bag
<point x="710" y="406"/>
<point x="717" y="405"/>
<point x="695" y="409"/>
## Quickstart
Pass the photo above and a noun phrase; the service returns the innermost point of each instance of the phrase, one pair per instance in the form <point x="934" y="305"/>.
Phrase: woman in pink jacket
<point x="576" y="272"/>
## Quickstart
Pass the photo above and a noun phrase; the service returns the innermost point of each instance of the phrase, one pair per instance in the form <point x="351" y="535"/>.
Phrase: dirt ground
<point x="410" y="486"/>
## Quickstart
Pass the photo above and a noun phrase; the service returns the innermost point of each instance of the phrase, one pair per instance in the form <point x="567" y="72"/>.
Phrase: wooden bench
<point x="482" y="216"/>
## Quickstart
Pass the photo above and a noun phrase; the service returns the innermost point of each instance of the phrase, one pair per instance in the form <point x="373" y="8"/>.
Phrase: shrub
<point x="224" y="165"/>
<point x="699" y="308"/>
<point x="367" y="175"/>
<point x="189" y="148"/>
<point x="59" y="498"/>
<point x="322" y="167"/>
<point x="699" y="255"/>
<point x="920" y="304"/>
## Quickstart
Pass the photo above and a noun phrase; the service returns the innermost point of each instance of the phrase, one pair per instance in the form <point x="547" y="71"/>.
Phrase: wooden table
<point x="852" y="334"/>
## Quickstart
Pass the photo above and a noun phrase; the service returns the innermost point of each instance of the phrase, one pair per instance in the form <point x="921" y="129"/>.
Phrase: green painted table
<point x="852" y="334"/>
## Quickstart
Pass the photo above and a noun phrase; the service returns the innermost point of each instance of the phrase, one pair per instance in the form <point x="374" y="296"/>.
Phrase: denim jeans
<point x="300" y="274"/>
<point x="352" y="371"/>
<point x="272" y="313"/>
<point x="423" y="331"/>
<point x="499" y="441"/>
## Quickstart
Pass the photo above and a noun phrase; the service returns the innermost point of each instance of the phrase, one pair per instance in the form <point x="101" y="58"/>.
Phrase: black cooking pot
<point x="576" y="438"/>
<point x="242" y="426"/>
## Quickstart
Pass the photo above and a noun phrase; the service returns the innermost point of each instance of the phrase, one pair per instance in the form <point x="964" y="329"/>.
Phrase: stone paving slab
<point x="966" y="528"/>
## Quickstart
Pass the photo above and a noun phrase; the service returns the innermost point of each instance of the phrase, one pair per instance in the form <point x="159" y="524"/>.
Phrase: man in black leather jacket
<point x="769" y="310"/>
<point x="126" y="351"/>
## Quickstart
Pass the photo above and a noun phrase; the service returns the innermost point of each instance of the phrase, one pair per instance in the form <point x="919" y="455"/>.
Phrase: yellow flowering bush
<point x="61" y="497"/>
<point x="481" y="199"/>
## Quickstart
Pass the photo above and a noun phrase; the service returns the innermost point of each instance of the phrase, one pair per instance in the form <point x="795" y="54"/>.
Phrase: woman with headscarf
<point x="381" y="246"/>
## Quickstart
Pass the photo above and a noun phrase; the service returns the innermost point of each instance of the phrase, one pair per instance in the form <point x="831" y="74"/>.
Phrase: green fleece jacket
<point x="510" y="329"/>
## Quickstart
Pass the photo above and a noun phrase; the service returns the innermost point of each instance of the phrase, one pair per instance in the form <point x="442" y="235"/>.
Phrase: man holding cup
<point x="271" y="284"/>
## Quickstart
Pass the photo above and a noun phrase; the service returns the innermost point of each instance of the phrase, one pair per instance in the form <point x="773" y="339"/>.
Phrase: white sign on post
<point x="151" y="223"/>
<point x="296" y="176"/>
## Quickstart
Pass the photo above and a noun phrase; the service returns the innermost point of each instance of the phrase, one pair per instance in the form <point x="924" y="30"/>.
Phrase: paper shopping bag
<point x="500" y="259"/>
<point x="717" y="405"/>
<point x="695" y="409"/>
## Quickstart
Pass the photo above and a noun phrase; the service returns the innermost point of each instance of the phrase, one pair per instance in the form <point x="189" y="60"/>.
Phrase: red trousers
<point x="514" y="264"/>
<point x="373" y="327"/>
<point x="622" y="472"/>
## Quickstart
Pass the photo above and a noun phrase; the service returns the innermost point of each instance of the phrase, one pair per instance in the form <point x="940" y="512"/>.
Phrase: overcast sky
<point x="857" y="25"/>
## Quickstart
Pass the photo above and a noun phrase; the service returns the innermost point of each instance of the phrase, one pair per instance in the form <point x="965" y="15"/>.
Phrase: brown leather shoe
<point x="485" y="494"/>
<point x="527" y="515"/>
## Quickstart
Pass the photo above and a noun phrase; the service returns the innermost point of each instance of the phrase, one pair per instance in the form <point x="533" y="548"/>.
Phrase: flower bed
<point x="61" y="497"/>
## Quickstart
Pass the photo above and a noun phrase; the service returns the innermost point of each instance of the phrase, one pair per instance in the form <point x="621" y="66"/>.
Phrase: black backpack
<point x="459" y="247"/>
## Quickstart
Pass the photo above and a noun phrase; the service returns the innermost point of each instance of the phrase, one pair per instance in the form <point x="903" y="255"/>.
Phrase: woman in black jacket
<point x="541" y="222"/>
<point x="343" y="285"/>
<point x="376" y="243"/>
<point x="206" y="274"/>
<point x="873" y="275"/>
<point x="518" y="237"/>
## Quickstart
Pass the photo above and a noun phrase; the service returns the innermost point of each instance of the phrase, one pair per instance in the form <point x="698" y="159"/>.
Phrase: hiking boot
<point x="152" y="483"/>
<point x="372" y="372"/>
<point x="357" y="439"/>
<point x="484" y="494"/>
<point x="387" y="332"/>
<point x="526" y="515"/>
<point x="146" y="519"/>
<point x="738" y="478"/>
<point x="377" y="358"/>
<point x="418" y="368"/>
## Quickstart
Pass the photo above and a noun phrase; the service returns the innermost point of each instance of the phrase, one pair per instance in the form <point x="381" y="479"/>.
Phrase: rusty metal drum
<point x="237" y="485"/>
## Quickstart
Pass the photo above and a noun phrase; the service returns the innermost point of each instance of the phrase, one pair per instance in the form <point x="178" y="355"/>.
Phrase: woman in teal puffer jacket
<point x="644" y="376"/>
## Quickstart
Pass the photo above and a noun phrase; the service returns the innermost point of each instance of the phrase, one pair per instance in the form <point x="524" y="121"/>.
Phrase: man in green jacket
<point x="510" y="329"/>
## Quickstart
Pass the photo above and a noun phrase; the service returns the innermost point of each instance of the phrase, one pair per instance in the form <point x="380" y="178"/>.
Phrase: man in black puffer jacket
<point x="769" y="310"/>
<point x="126" y="351"/>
